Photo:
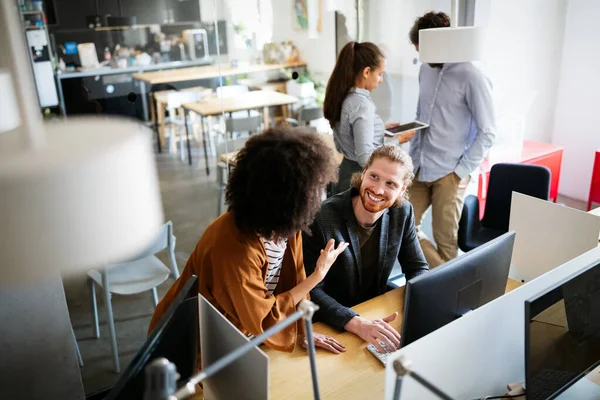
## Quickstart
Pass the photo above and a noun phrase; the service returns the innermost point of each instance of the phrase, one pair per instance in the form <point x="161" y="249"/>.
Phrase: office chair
<point x="141" y="273"/>
<point x="532" y="180"/>
<point x="305" y="115"/>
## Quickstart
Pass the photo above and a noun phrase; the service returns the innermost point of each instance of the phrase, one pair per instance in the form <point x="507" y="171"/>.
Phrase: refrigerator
<point x="39" y="51"/>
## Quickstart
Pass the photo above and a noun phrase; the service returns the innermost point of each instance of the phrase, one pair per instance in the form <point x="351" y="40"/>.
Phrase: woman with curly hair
<point x="249" y="261"/>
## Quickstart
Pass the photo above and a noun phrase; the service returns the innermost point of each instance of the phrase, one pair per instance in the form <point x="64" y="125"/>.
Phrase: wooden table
<point x="229" y="158"/>
<point x="244" y="101"/>
<point x="209" y="71"/>
<point x="536" y="153"/>
<point x="147" y="79"/>
<point x="355" y="374"/>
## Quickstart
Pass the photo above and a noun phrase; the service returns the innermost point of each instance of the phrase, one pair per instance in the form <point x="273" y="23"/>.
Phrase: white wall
<point x="387" y="23"/>
<point x="318" y="53"/>
<point x="523" y="57"/>
<point x="577" y="122"/>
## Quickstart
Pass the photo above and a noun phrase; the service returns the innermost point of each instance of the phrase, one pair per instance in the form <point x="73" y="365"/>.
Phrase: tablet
<point x="416" y="125"/>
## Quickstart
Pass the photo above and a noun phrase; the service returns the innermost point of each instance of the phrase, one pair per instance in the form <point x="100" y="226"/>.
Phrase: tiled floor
<point x="190" y="201"/>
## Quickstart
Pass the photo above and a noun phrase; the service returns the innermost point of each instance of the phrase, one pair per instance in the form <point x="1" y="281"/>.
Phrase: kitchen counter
<point x="136" y="69"/>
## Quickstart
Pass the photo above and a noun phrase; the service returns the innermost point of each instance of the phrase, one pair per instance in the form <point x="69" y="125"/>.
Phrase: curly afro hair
<point x="430" y="20"/>
<point x="275" y="188"/>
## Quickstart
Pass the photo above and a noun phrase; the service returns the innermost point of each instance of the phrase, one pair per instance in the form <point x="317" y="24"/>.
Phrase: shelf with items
<point x="33" y="8"/>
<point x="38" y="20"/>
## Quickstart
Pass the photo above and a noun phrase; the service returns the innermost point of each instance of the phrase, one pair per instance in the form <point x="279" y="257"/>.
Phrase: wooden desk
<point x="229" y="158"/>
<point x="355" y="374"/>
<point x="147" y="79"/>
<point x="536" y="153"/>
<point x="209" y="72"/>
<point x="244" y="101"/>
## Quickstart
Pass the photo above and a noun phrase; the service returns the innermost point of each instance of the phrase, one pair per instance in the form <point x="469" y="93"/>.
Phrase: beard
<point x="372" y="207"/>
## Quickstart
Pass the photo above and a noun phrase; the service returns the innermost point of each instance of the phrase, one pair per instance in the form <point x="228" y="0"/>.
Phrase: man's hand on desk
<point x="325" y="342"/>
<point x="375" y="331"/>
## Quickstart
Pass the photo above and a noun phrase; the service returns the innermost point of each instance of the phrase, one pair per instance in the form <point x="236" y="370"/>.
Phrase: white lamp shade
<point x="89" y="195"/>
<point x="451" y="45"/>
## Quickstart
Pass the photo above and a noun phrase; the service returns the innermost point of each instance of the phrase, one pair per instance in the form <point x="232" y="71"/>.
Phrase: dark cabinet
<point x="184" y="10"/>
<point x="108" y="7"/>
<point x="145" y="11"/>
<point x="71" y="14"/>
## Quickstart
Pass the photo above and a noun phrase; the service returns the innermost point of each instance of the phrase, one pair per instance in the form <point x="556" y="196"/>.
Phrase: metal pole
<point x="430" y="386"/>
<point x="398" y="387"/>
<point x="190" y="388"/>
<point x="309" y="309"/>
<point x="144" y="96"/>
<point x="403" y="368"/>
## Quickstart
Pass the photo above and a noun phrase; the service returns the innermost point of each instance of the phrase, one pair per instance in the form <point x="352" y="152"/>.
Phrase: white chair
<point x="232" y="91"/>
<point x="306" y="115"/>
<point x="141" y="273"/>
<point x="174" y="102"/>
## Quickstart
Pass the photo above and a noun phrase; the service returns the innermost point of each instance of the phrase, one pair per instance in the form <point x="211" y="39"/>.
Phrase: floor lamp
<point x="73" y="194"/>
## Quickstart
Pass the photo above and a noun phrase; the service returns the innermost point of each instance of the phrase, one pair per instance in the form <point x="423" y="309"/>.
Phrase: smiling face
<point x="382" y="184"/>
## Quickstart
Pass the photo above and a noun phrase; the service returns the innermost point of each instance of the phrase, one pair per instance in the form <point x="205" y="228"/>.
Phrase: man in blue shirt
<point x="455" y="99"/>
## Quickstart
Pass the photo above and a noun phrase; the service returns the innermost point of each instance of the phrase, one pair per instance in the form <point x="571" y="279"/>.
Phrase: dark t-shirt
<point x="369" y="254"/>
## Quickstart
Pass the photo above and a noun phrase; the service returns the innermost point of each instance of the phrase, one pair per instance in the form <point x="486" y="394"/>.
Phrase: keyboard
<point x="547" y="382"/>
<point x="380" y="356"/>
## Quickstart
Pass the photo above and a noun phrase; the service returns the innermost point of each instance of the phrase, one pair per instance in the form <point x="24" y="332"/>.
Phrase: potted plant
<point x="301" y="86"/>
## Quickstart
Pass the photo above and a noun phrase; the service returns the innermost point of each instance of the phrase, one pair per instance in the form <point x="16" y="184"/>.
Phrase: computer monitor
<point x="562" y="334"/>
<point x="247" y="377"/>
<point x="175" y="338"/>
<point x="453" y="289"/>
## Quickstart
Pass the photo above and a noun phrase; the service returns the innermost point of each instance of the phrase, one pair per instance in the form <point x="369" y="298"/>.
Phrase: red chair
<point x="595" y="185"/>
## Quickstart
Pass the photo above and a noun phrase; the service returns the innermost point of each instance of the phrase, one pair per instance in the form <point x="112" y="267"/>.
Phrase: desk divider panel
<point x="482" y="352"/>
<point x="548" y="235"/>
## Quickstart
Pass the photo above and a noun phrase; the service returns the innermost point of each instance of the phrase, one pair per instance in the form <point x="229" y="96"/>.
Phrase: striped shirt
<point x="275" y="251"/>
<point x="360" y="130"/>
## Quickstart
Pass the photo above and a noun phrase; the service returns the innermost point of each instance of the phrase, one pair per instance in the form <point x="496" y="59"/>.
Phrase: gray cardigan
<point x="341" y="288"/>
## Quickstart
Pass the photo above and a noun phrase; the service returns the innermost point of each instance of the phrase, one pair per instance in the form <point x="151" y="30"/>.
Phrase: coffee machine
<point x="197" y="43"/>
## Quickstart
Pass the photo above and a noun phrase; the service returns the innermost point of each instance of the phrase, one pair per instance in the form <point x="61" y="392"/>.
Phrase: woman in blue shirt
<point x="357" y="129"/>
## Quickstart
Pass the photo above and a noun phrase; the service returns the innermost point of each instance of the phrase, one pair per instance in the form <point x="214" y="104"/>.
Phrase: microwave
<point x="197" y="43"/>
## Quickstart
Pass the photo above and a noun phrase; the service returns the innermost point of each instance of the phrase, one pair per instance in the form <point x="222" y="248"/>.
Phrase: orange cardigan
<point x="231" y="267"/>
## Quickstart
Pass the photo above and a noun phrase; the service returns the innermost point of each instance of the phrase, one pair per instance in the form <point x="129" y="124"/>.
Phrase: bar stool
<point x="594" y="196"/>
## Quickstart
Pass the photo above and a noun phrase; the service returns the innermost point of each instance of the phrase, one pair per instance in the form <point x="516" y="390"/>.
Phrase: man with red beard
<point x="375" y="217"/>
